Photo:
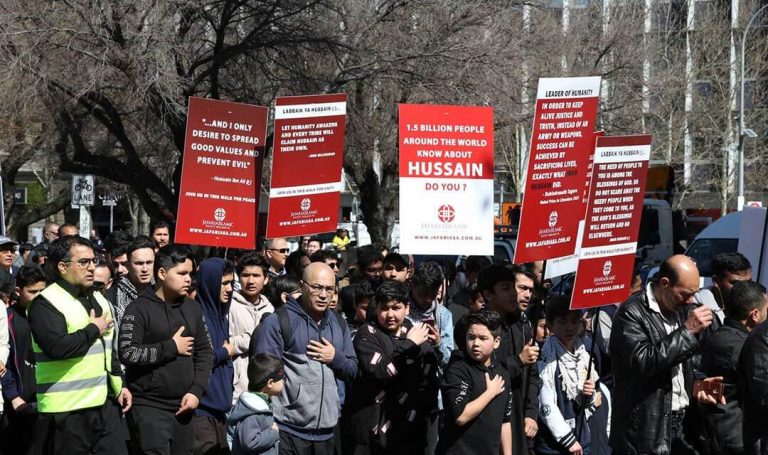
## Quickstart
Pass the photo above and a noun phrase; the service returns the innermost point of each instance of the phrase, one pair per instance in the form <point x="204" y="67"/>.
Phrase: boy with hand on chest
<point x="477" y="399"/>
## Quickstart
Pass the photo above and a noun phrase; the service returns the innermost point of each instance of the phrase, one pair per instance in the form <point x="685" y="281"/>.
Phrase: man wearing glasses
<point x="276" y="251"/>
<point x="316" y="347"/>
<point x="78" y="372"/>
<point x="7" y="255"/>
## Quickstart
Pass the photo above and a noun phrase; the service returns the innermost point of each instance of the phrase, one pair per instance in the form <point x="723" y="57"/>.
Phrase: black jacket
<point x="155" y="374"/>
<point x="753" y="369"/>
<point x="388" y="387"/>
<point x="19" y="380"/>
<point x="524" y="381"/>
<point x="643" y="356"/>
<point x="720" y="357"/>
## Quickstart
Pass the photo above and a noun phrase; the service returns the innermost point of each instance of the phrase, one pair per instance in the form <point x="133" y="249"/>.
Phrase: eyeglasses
<point x="280" y="250"/>
<point x="333" y="265"/>
<point x="374" y="270"/>
<point x="317" y="289"/>
<point x="84" y="263"/>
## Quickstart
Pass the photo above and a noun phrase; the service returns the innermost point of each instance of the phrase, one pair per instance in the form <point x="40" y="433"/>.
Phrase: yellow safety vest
<point x="65" y="385"/>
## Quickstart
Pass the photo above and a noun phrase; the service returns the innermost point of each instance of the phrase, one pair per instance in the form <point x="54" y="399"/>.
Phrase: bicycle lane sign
<point x="83" y="192"/>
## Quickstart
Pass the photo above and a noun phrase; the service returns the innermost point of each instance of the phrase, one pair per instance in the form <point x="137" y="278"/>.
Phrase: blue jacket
<point x="250" y="426"/>
<point x="218" y="398"/>
<point x="309" y="405"/>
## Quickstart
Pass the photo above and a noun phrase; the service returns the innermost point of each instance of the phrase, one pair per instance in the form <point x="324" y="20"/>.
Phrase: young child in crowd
<point x="476" y="395"/>
<point x="567" y="396"/>
<point x="251" y="423"/>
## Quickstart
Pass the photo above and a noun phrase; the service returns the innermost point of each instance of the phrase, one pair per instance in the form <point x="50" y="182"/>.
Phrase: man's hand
<point x="576" y="449"/>
<point x="589" y="388"/>
<point x="419" y="333"/>
<point x="230" y="348"/>
<point x="183" y="344"/>
<point x="530" y="353"/>
<point x="494" y="386"/>
<point x="189" y="402"/>
<point x="274" y="426"/>
<point x="704" y="397"/>
<point x="125" y="399"/>
<point x="101" y="322"/>
<point x="434" y="335"/>
<point x="322" y="352"/>
<point x="17" y="403"/>
<point x="699" y="319"/>
<point x="531" y="428"/>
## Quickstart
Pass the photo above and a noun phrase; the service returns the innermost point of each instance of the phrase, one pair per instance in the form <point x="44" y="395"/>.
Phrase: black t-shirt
<point x="463" y="382"/>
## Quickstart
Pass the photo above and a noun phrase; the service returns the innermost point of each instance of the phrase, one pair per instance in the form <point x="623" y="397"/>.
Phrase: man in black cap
<point x="7" y="255"/>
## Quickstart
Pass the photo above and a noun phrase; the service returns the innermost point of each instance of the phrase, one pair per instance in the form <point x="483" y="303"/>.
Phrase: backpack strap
<point x="285" y="326"/>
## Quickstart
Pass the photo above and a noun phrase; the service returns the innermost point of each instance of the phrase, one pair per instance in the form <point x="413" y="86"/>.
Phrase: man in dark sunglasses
<point x="329" y="258"/>
<point x="276" y="251"/>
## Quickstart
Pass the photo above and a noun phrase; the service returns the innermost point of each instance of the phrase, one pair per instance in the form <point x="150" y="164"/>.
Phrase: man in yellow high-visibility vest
<point x="77" y="373"/>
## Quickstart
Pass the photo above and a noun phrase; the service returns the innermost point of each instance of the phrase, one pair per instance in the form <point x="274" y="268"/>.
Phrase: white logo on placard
<point x="607" y="268"/>
<point x="553" y="218"/>
<point x="306" y="204"/>
<point x="219" y="214"/>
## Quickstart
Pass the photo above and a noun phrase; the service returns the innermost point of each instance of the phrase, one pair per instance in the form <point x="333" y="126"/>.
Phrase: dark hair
<point x="493" y="274"/>
<point x="29" y="275"/>
<point x="140" y="242"/>
<point x="535" y="312"/>
<point x="474" y="264"/>
<point x="229" y="267"/>
<point x="317" y="239"/>
<point x="24" y="247"/>
<point x="293" y="263"/>
<point x="428" y="275"/>
<point x="395" y="259"/>
<point x="159" y="225"/>
<point x="171" y="255"/>
<point x="731" y="262"/>
<point x="367" y="255"/>
<point x="389" y="291"/>
<point x="104" y="263"/>
<point x="324" y="256"/>
<point x="558" y="307"/>
<point x="117" y="243"/>
<point x="250" y="259"/>
<point x="351" y="296"/>
<point x="488" y="318"/>
<point x="261" y="368"/>
<point x="525" y="271"/>
<point x="64" y="226"/>
<point x="61" y="248"/>
<point x="280" y="284"/>
<point x="744" y="297"/>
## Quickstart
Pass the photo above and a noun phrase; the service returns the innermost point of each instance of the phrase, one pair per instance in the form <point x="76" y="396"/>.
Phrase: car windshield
<point x="703" y="250"/>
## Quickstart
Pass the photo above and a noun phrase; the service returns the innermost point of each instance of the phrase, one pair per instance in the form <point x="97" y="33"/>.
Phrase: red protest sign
<point x="446" y="179"/>
<point x="308" y="149"/>
<point x="612" y="221"/>
<point x="561" y="143"/>
<point x="221" y="173"/>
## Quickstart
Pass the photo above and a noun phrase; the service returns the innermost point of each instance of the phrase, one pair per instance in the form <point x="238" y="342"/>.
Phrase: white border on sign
<point x="302" y="190"/>
<point x="293" y="111"/>
<point x="567" y="85"/>
<point x="622" y="154"/>
<point x="608" y="250"/>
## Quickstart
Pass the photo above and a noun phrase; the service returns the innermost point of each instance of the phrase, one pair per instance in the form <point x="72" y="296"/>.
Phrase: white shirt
<point x="679" y="396"/>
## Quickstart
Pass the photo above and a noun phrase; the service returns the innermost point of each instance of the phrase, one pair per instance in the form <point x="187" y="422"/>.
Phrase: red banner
<point x="304" y="196"/>
<point x="221" y="174"/>
<point x="446" y="179"/>
<point x="561" y="143"/>
<point x="614" y="208"/>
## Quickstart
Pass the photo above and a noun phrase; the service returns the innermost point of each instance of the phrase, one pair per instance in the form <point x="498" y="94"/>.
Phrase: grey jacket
<point x="250" y="426"/>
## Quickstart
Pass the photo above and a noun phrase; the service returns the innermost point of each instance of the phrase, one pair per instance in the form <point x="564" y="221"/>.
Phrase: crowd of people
<point x="138" y="345"/>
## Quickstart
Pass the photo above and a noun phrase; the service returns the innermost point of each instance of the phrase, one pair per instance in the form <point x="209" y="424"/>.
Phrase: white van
<point x="722" y="236"/>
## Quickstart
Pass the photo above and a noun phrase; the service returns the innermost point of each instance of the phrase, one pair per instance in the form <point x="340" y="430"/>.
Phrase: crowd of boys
<point x="138" y="345"/>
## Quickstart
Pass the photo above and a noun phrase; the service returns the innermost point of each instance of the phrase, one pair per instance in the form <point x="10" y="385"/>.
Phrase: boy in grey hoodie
<point x="251" y="424"/>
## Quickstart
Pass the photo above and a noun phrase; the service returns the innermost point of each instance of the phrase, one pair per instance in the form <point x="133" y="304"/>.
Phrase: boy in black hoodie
<point x="166" y="349"/>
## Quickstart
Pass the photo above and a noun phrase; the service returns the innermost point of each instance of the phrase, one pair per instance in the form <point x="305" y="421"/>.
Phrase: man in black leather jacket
<point x="651" y="348"/>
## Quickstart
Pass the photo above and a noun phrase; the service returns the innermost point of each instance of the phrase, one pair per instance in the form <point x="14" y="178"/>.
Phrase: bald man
<point x="651" y="348"/>
<point x="316" y="346"/>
